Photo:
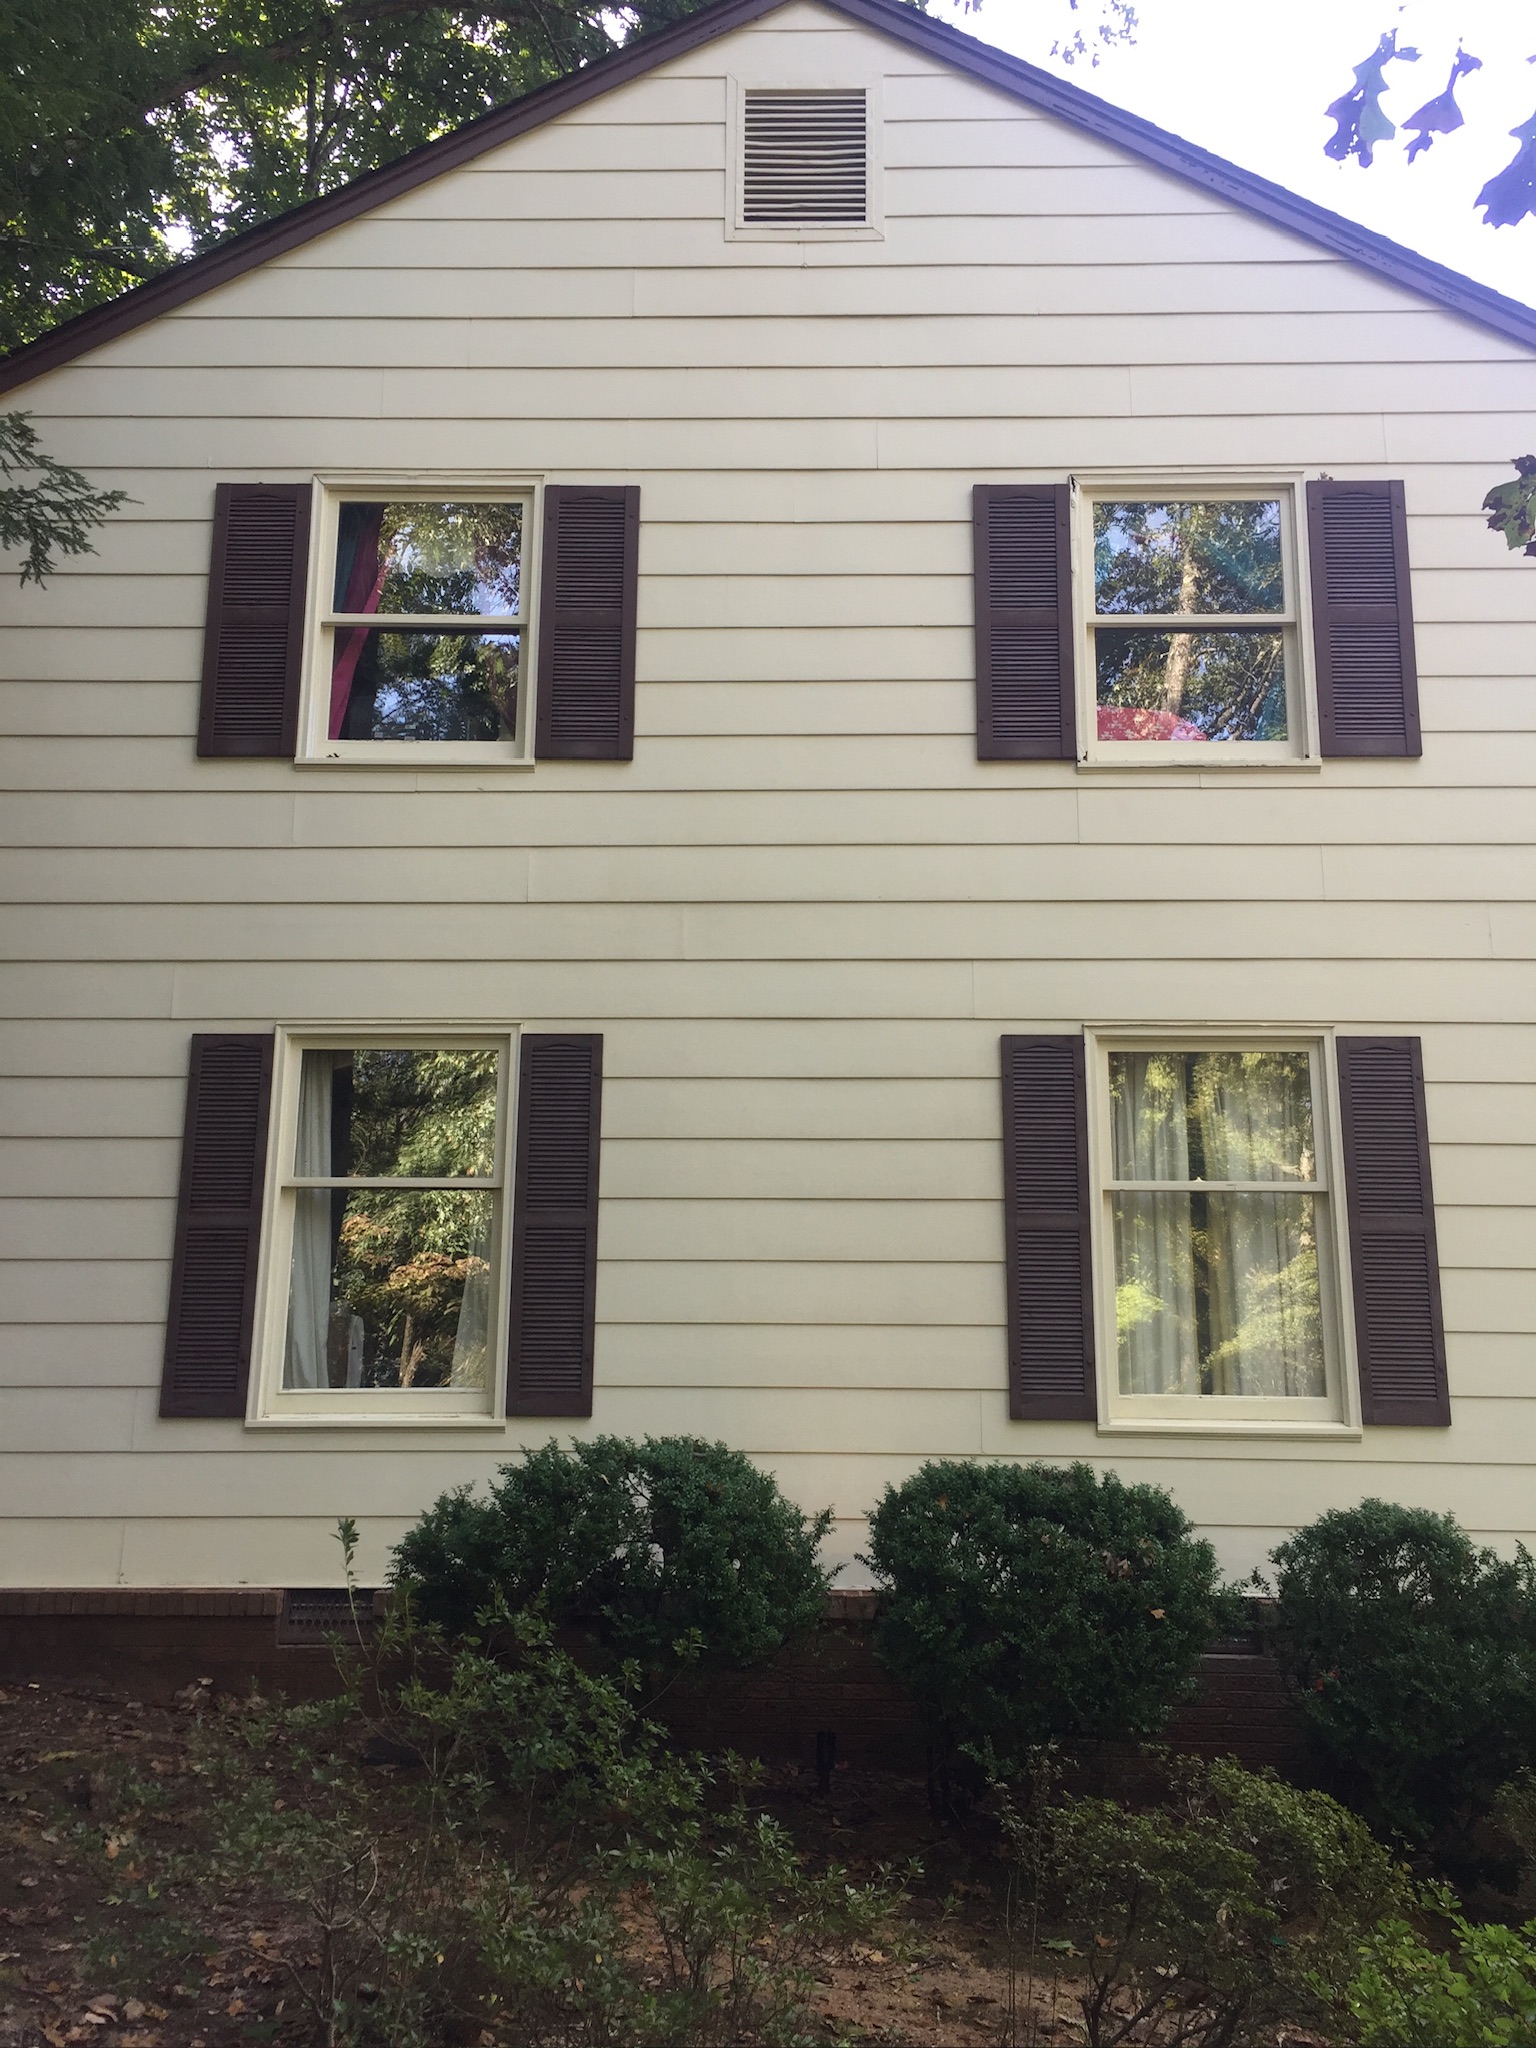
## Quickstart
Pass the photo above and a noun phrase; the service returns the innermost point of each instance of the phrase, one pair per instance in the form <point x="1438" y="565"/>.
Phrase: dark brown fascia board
<point x="1007" y="74"/>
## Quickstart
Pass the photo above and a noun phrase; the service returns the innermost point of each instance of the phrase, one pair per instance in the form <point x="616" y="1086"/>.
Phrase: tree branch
<point x="107" y="259"/>
<point x="361" y="14"/>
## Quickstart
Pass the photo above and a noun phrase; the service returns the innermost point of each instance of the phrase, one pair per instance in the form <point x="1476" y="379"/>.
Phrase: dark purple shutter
<point x="218" y="1225"/>
<point x="554" y="1225"/>
<point x="586" y="691"/>
<point x="1393" y="1262"/>
<point x="253" y="644"/>
<point x="1362" y="618"/>
<point x="1046" y="1211"/>
<point x="1025" y="707"/>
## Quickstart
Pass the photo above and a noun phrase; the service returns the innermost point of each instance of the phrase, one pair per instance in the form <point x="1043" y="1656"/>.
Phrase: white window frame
<point x="1300" y="749"/>
<point x="272" y="1405"/>
<point x="1337" y="1414"/>
<point x="805" y="81"/>
<point x="316" y="749"/>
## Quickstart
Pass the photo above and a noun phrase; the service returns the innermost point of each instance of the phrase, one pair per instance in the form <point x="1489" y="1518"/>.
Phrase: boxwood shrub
<point x="1032" y="1603"/>
<point x="1412" y="1654"/>
<point x="668" y="1551"/>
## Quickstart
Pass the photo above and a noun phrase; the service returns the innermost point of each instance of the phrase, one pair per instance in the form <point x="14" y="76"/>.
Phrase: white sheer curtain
<point x="309" y="1288"/>
<point x="472" y="1336"/>
<point x="1216" y="1293"/>
<point x="1154" y="1262"/>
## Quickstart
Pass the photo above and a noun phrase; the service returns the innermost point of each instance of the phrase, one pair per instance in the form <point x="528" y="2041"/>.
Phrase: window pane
<point x="465" y="559"/>
<point x="1212" y="1116"/>
<point x="1190" y="686"/>
<point x="1187" y="558"/>
<point x="389" y="1289"/>
<point x="423" y="686"/>
<point x="1218" y="1295"/>
<point x="386" y="1110"/>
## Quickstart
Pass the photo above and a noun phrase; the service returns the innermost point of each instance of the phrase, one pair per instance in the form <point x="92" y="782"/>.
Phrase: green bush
<point x="1413" y="1656"/>
<point x="669" y="1550"/>
<point x="1408" y="1995"/>
<point x="1237" y="1907"/>
<point x="1514" y="1809"/>
<point x="534" y="1869"/>
<point x="1033" y="1603"/>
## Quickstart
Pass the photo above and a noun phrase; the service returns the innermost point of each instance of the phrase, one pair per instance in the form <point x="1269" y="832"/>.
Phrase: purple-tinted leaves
<point x="1511" y="195"/>
<point x="1361" y="121"/>
<point x="1441" y="115"/>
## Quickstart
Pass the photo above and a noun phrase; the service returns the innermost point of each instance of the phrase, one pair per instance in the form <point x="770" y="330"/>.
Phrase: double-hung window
<point x="1215" y="1239"/>
<point x="387" y="1256"/>
<point x="1190" y="625"/>
<point x="401" y="634"/>
<point x="349" y="1245"/>
<point x="1163" y="621"/>
<point x="421" y="640"/>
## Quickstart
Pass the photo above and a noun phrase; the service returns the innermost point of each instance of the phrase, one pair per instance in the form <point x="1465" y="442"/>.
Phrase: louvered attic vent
<point x="805" y="161"/>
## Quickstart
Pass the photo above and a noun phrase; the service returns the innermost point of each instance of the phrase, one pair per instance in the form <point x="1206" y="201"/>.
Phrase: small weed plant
<point x="1238" y="1905"/>
<point x="1407" y="1994"/>
<point x="491" y="1847"/>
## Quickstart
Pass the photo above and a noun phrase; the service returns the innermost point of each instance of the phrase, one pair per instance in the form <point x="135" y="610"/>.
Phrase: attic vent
<point x="805" y="159"/>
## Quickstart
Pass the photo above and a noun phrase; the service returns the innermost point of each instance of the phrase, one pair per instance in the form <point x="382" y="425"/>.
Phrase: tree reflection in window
<point x="1219" y="561"/>
<point x="1214" y="1213"/>
<point x="391" y="1284"/>
<point x="457" y="561"/>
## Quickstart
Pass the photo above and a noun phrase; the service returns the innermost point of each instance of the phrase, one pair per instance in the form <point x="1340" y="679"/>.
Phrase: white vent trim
<point x="804" y="160"/>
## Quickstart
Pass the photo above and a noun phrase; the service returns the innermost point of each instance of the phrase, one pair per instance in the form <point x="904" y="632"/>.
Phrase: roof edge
<point x="1012" y="75"/>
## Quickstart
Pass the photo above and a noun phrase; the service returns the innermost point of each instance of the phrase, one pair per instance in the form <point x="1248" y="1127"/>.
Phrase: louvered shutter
<point x="554" y="1225"/>
<point x="1047" y="1209"/>
<point x="805" y="159"/>
<point x="253" y="644"/>
<point x="1362" y="616"/>
<point x="218" y="1225"/>
<point x="1025" y="705"/>
<point x="586" y="691"/>
<point x="1394" y="1266"/>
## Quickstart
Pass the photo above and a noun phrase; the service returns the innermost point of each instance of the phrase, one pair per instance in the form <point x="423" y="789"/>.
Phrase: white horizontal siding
<point x="804" y="913"/>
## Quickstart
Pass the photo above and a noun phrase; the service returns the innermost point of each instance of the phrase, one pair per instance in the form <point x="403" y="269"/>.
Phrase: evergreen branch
<point x="56" y="511"/>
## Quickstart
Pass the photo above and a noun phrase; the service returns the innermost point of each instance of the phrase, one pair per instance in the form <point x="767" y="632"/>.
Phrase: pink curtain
<point x="360" y="593"/>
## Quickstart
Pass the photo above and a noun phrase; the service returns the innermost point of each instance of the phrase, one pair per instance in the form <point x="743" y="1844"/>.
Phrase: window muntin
<point x="1216" y="1222"/>
<point x="391" y="1190"/>
<point x="1191" y="623"/>
<point x="449" y="575"/>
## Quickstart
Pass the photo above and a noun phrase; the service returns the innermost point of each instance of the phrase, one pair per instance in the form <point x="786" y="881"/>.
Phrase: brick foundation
<point x="150" y="1644"/>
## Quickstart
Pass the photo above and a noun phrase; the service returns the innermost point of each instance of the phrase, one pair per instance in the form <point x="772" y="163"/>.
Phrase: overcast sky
<point x="1249" y="79"/>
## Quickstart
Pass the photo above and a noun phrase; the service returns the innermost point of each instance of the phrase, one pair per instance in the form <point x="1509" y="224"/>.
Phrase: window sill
<point x="1327" y="1432"/>
<point x="417" y="759"/>
<point x="1198" y="768"/>
<point x="334" y="1418"/>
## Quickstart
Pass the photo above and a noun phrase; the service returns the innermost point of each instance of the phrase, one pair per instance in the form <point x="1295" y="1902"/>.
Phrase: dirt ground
<point x="937" y="1978"/>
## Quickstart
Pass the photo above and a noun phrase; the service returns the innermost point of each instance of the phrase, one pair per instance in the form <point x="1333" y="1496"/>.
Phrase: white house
<point x="858" y="780"/>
